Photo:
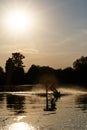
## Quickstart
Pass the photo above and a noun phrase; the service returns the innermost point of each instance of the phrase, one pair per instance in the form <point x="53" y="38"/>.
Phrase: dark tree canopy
<point x="17" y="60"/>
<point x="14" y="73"/>
<point x="14" y="68"/>
<point x="80" y="63"/>
<point x="32" y="74"/>
<point x="9" y="65"/>
<point x="80" y="67"/>
<point x="2" y="76"/>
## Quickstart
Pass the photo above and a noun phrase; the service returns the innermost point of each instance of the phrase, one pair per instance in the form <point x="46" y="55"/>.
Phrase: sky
<point x="55" y="36"/>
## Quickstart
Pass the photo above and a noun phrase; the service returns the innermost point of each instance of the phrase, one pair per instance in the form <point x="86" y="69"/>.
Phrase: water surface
<point x="25" y="111"/>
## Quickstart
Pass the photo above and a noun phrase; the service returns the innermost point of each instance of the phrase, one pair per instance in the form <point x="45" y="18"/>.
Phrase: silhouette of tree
<point x="2" y="76"/>
<point x="14" y="69"/>
<point x="80" y="66"/>
<point x="68" y="75"/>
<point x="47" y="76"/>
<point x="80" y="63"/>
<point x="9" y="67"/>
<point x="17" y="60"/>
<point x="35" y="73"/>
<point x="32" y="74"/>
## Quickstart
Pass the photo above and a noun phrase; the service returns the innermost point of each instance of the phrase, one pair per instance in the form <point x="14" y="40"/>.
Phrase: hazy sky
<point x="56" y="37"/>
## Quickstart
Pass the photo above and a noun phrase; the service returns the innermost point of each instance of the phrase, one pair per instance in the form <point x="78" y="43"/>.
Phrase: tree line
<point x="14" y="73"/>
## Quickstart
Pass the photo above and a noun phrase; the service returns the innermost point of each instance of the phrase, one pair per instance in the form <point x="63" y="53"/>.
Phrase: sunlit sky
<point x="47" y="32"/>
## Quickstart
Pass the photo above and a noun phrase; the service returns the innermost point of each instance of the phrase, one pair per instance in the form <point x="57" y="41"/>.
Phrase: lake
<point x="25" y="111"/>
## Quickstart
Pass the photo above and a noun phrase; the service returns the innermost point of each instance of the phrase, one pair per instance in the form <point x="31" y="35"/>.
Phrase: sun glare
<point x="21" y="126"/>
<point x="18" y="20"/>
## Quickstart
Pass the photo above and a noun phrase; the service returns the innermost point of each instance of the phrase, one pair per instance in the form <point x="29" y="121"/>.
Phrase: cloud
<point x="27" y="51"/>
<point x="31" y="51"/>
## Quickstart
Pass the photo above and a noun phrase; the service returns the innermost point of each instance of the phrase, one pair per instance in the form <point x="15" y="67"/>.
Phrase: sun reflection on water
<point x="21" y="126"/>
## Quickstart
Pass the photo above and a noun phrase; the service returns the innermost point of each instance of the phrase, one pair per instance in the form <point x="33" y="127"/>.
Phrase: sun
<point x="18" y="20"/>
